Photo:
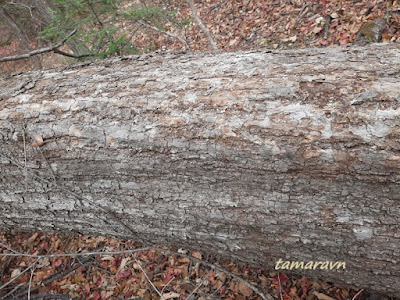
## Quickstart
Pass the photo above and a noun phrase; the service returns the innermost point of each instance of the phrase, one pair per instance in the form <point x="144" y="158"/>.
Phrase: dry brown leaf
<point x="216" y="284"/>
<point x="222" y="276"/>
<point x="170" y="295"/>
<point x="293" y="292"/>
<point x="124" y="261"/>
<point x="38" y="140"/>
<point x="108" y="257"/>
<point x="321" y="296"/>
<point x="15" y="273"/>
<point x="315" y="285"/>
<point x="31" y="239"/>
<point x="188" y="287"/>
<point x="244" y="289"/>
<point x="184" y="260"/>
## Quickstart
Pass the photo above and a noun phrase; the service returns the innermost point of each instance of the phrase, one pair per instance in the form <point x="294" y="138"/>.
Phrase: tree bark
<point x="258" y="156"/>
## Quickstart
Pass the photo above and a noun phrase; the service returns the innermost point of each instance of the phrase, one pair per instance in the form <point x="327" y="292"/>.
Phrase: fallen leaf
<point x="321" y="296"/>
<point x="32" y="238"/>
<point x="171" y="295"/>
<point x="15" y="273"/>
<point x="124" y="261"/>
<point x="244" y="289"/>
<point x="317" y="30"/>
<point x="38" y="141"/>
<point x="293" y="292"/>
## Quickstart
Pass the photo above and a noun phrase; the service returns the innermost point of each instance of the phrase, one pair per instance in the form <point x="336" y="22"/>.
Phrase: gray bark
<point x="258" y="156"/>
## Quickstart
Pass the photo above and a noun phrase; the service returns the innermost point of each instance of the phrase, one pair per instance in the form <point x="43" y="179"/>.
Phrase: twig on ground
<point x="30" y="279"/>
<point x="44" y="50"/>
<point x="50" y="296"/>
<point x="203" y="28"/>
<point x="200" y="284"/>
<point x="55" y="276"/>
<point x="303" y="12"/>
<point x="13" y="290"/>
<point x="28" y="8"/>
<point x="217" y="289"/>
<point x="71" y="55"/>
<point x="8" y="248"/>
<point x="328" y="20"/>
<point x="280" y="287"/>
<point x="321" y="296"/>
<point x="206" y="263"/>
<point x="165" y="286"/>
<point x="19" y="275"/>
<point x="148" y="279"/>
<point x="358" y="294"/>
<point x="182" y="40"/>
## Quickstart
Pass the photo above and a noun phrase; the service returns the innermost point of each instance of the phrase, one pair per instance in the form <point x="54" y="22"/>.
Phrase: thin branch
<point x="25" y="167"/>
<point x="200" y="284"/>
<point x="165" y="286"/>
<point x="50" y="296"/>
<point x="148" y="279"/>
<point x="28" y="8"/>
<point x="80" y="253"/>
<point x="60" y="274"/>
<point x="328" y="20"/>
<point x="72" y="55"/>
<point x="95" y="14"/>
<point x="31" y="172"/>
<point x="167" y="33"/>
<point x="24" y="271"/>
<point x="23" y="5"/>
<point x="13" y="290"/>
<point x="30" y="279"/>
<point x="8" y="248"/>
<point x="19" y="33"/>
<point x="356" y="295"/>
<point x="303" y="11"/>
<point x="217" y="289"/>
<point x="206" y="263"/>
<point x="38" y="51"/>
<point x="210" y="40"/>
<point x="131" y="36"/>
<point x="280" y="287"/>
<point x="56" y="276"/>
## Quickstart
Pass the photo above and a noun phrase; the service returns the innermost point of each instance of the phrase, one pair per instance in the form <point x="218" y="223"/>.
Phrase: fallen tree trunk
<point x="259" y="156"/>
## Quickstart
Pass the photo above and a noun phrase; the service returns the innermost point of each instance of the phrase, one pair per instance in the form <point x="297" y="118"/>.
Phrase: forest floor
<point x="240" y="25"/>
<point x="128" y="275"/>
<point x="235" y="25"/>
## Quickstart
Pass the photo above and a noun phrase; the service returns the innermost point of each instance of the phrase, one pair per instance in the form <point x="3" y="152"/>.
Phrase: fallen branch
<point x="328" y="20"/>
<point x="196" y="17"/>
<point x="71" y="55"/>
<point x="50" y="296"/>
<point x="167" y="33"/>
<point x="44" y="50"/>
<point x="130" y="251"/>
<point x="55" y="276"/>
